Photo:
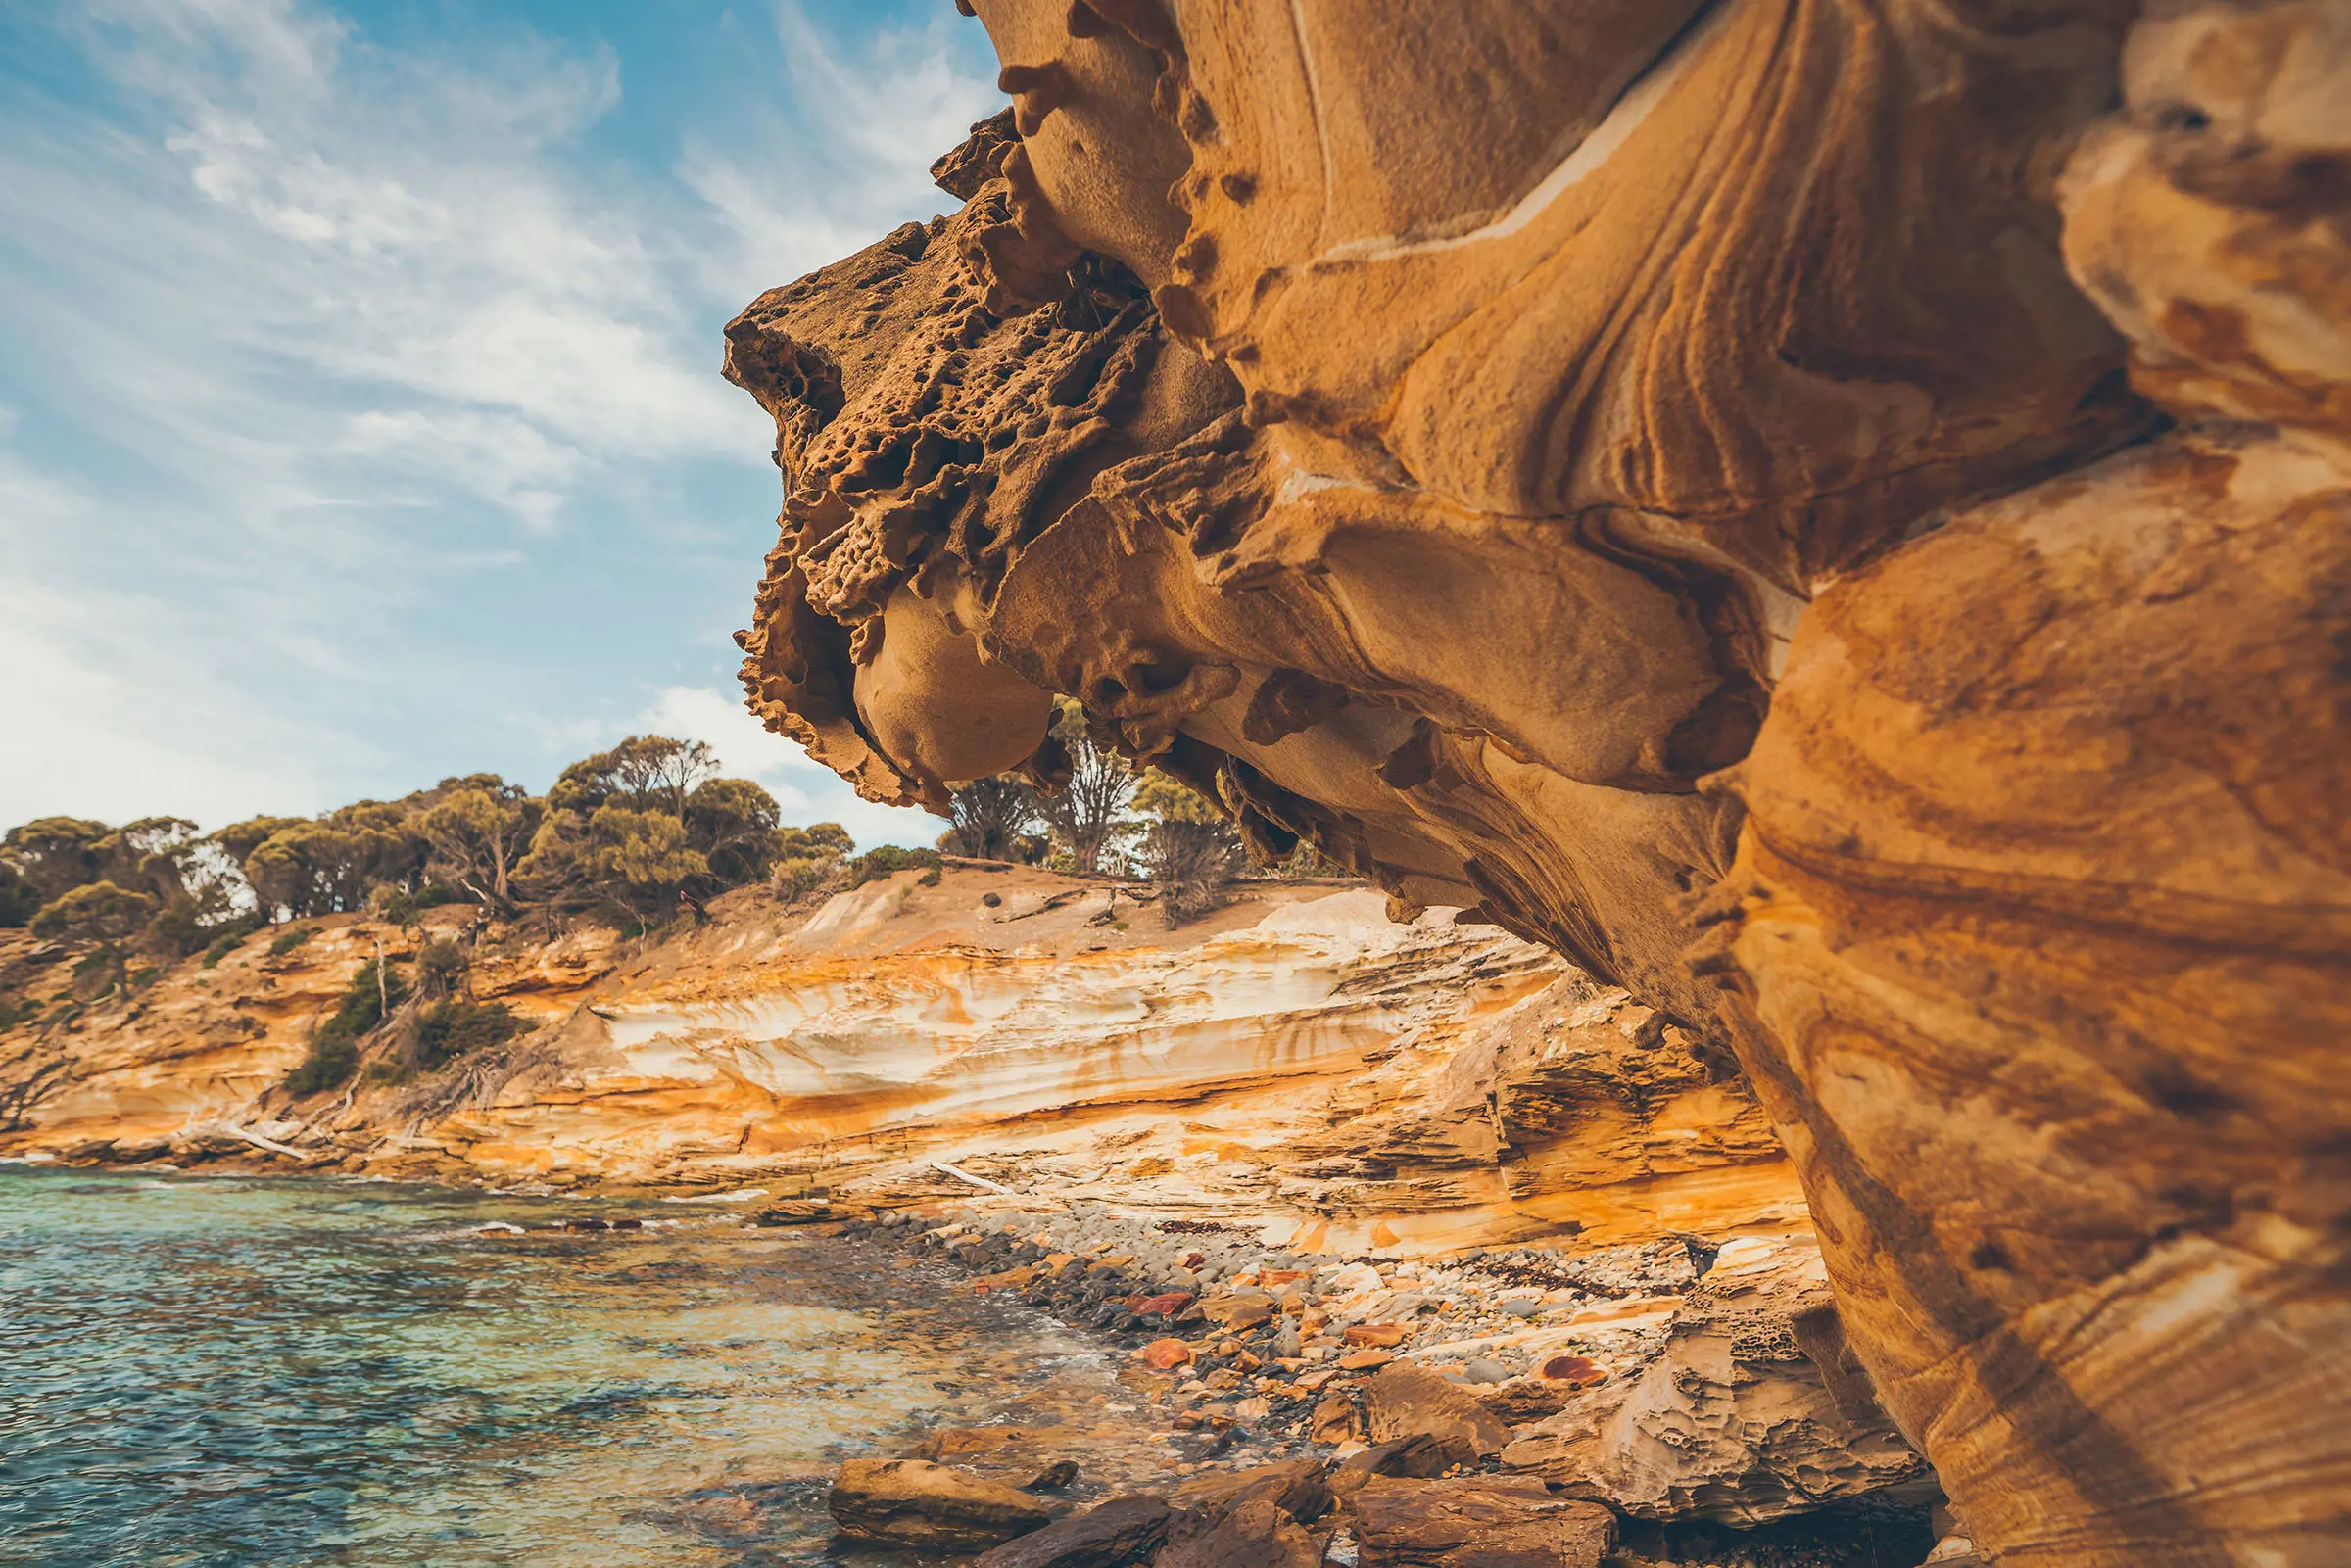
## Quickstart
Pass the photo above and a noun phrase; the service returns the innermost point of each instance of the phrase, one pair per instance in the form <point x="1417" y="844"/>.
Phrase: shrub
<point x="291" y="939"/>
<point x="1190" y="863"/>
<point x="890" y="859"/>
<point x="225" y="944"/>
<point x="404" y="908"/>
<point x="19" y="900"/>
<point x="335" y="1049"/>
<point x="440" y="966"/>
<point x="95" y="912"/>
<point x="332" y="1059"/>
<point x="449" y="1029"/>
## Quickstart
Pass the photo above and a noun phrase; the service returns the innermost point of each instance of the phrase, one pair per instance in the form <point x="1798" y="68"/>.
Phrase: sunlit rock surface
<point x="1296" y="1062"/>
<point x="1831" y="515"/>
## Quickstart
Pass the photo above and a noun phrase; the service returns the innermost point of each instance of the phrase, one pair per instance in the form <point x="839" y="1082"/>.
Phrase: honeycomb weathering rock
<point x="1833" y="515"/>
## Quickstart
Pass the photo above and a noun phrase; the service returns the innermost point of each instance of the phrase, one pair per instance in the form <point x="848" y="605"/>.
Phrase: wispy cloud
<point x="368" y="420"/>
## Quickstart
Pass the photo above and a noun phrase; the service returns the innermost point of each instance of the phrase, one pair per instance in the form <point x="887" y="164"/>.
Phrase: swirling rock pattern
<point x="1831" y="513"/>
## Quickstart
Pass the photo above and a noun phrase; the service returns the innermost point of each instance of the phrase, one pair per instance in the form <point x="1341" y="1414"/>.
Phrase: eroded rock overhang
<point x="1830" y="514"/>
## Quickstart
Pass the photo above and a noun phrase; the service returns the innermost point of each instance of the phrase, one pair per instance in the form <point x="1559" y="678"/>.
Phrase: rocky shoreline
<point x="1539" y="1406"/>
<point x="1525" y="1405"/>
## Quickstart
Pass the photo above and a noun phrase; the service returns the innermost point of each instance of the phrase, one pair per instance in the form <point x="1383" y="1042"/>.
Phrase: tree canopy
<point x="639" y="833"/>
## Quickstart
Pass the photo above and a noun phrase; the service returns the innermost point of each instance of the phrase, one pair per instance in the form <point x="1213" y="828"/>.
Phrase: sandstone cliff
<point x="1297" y="1063"/>
<point x="1831" y="514"/>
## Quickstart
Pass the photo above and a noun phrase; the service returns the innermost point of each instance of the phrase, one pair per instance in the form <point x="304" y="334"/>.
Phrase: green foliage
<point x="228" y="938"/>
<point x="332" y="864"/>
<point x="810" y="861"/>
<point x="1093" y="786"/>
<point x="818" y="841"/>
<point x="54" y="855"/>
<point x="96" y="911"/>
<point x="329" y="1066"/>
<point x="478" y="833"/>
<point x="644" y="831"/>
<point x="448" y="1029"/>
<point x="154" y="855"/>
<point x="334" y="1052"/>
<point x="643" y="854"/>
<point x="1190" y="863"/>
<point x="886" y="860"/>
<point x="993" y="818"/>
<point x="440" y="966"/>
<point x="17" y="900"/>
<point x="404" y="906"/>
<point x="1308" y="861"/>
<point x="196" y="925"/>
<point x="292" y="938"/>
<point x="1164" y="798"/>
<point x="732" y="823"/>
<point x="645" y="772"/>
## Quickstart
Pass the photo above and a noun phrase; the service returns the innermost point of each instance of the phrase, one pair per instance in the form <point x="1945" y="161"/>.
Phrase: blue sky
<point x="360" y="415"/>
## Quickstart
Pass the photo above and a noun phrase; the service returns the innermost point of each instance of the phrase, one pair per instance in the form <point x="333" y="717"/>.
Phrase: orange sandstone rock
<point x="1691" y="485"/>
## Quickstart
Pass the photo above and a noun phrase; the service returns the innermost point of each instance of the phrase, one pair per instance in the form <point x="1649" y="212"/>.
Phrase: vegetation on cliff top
<point x="638" y="837"/>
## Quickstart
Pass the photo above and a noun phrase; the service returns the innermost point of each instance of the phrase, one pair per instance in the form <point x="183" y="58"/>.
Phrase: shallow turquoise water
<point x="215" y="1372"/>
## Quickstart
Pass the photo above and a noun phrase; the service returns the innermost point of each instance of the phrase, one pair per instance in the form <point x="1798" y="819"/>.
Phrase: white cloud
<point x="881" y="119"/>
<point x="308" y="337"/>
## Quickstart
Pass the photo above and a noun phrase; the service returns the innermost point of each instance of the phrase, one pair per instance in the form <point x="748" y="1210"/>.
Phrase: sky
<point x="361" y="421"/>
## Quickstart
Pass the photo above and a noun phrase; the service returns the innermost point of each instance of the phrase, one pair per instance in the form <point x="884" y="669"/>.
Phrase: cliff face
<point x="1297" y="1063"/>
<point x="1831" y="515"/>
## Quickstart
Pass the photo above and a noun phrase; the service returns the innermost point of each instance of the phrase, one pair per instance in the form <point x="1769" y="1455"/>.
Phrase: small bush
<point x="890" y="859"/>
<point x="225" y="944"/>
<point x="96" y="911"/>
<point x="332" y="1059"/>
<point x="449" y="1029"/>
<point x="14" y="1012"/>
<point x="440" y="966"/>
<point x="335" y="1049"/>
<point x="404" y="908"/>
<point x="291" y="939"/>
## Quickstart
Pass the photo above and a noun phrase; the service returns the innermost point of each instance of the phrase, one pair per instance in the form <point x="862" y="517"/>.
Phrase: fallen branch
<point x="259" y="1142"/>
<point x="976" y="1181"/>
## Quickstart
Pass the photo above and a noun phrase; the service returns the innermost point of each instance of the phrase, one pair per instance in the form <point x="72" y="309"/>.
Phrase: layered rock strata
<point x="1830" y="514"/>
<point x="1296" y="1063"/>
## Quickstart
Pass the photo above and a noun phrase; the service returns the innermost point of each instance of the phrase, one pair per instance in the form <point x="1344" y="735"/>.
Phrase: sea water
<point x="212" y="1373"/>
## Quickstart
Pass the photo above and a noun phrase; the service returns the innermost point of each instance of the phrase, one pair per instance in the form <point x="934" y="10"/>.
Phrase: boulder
<point x="1117" y="1534"/>
<point x="1405" y="1400"/>
<point x="1418" y="1456"/>
<point x="1297" y="1486"/>
<point x="1164" y="1354"/>
<point x="1335" y="1420"/>
<point x="1241" y="1310"/>
<point x="1734" y="1422"/>
<point x="1254" y="1533"/>
<point x="1526" y="1399"/>
<point x="1476" y="1522"/>
<point x="929" y="1508"/>
<point x="954" y="1443"/>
